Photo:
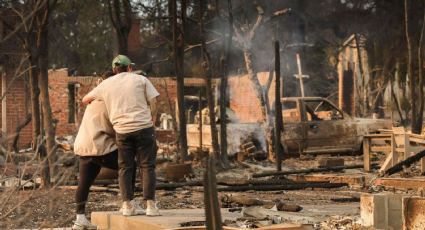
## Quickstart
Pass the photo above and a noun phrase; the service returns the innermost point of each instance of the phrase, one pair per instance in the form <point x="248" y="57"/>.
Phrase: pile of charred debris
<point x="347" y="178"/>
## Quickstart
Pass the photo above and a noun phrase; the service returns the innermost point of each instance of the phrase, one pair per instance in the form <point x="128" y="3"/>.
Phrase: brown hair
<point x="120" y="69"/>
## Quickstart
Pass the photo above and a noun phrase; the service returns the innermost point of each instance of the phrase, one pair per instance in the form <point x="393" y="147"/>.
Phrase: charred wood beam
<point x="172" y="186"/>
<point x="262" y="182"/>
<point x="312" y="170"/>
<point x="212" y="206"/>
<point x="278" y="114"/>
<point x="244" y="200"/>
<point x="405" y="163"/>
<point x="281" y="187"/>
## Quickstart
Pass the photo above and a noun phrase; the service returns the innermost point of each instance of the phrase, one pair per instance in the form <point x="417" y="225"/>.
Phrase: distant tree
<point x="206" y="63"/>
<point x="414" y="39"/>
<point x="34" y="17"/>
<point x="82" y="37"/>
<point x="178" y="58"/>
<point x="121" y="14"/>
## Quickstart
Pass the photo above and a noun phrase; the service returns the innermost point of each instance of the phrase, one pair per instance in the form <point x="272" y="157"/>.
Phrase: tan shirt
<point x="96" y="137"/>
<point x="126" y="96"/>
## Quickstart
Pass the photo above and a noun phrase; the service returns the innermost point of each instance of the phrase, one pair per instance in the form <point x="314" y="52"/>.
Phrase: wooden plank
<point x="400" y="149"/>
<point x="385" y="149"/>
<point x="394" y="156"/>
<point x="406" y="146"/>
<point x="286" y="226"/>
<point x="380" y="139"/>
<point x="401" y="183"/>
<point x="405" y="163"/>
<point x="417" y="140"/>
<point x="366" y="154"/>
<point x="387" y="163"/>
<point x="379" y="135"/>
<point x="423" y="165"/>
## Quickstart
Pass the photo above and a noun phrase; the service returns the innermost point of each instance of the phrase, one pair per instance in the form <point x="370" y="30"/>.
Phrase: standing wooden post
<point x="200" y="119"/>
<point x="3" y="102"/>
<point x="278" y="110"/>
<point x="406" y="145"/>
<point x="394" y="158"/>
<point x="366" y="153"/>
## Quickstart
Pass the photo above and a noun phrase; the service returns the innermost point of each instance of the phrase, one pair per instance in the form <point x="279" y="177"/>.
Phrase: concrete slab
<point x="170" y="219"/>
<point x="413" y="213"/>
<point x="353" y="180"/>
<point x="381" y="211"/>
<point x="402" y="183"/>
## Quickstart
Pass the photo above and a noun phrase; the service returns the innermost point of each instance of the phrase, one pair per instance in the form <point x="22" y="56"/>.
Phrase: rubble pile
<point x="251" y="149"/>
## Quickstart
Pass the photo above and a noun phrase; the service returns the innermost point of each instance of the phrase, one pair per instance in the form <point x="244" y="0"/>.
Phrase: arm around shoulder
<point x="91" y="96"/>
<point x="87" y="99"/>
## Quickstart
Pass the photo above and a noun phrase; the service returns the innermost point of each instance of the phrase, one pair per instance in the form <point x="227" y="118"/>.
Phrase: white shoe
<point x="83" y="224"/>
<point x="132" y="208"/>
<point x="152" y="209"/>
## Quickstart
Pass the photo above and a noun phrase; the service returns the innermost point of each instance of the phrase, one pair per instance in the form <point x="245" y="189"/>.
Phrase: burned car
<point x="313" y="125"/>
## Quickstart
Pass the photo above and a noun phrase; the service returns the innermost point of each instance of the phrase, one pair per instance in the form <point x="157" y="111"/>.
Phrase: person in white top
<point x="95" y="147"/>
<point x="130" y="100"/>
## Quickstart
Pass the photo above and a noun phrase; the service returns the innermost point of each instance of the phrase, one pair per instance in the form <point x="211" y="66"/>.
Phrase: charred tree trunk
<point x="43" y="84"/>
<point x="362" y="76"/>
<point x="416" y="127"/>
<point x="35" y="103"/>
<point x="206" y="64"/>
<point x="30" y="47"/>
<point x="245" y="39"/>
<point x="227" y="43"/>
<point x="252" y="74"/>
<point x="121" y="18"/>
<point x="178" y="43"/>
<point x="278" y="110"/>
<point x="421" y="80"/>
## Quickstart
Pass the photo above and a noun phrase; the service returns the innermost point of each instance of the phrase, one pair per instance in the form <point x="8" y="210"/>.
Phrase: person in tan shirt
<point x="95" y="147"/>
<point x="130" y="100"/>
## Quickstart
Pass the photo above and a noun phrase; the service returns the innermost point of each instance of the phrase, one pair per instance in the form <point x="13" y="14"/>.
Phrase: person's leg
<point x="126" y="156"/>
<point x="87" y="174"/>
<point x="110" y="161"/>
<point x="147" y="153"/>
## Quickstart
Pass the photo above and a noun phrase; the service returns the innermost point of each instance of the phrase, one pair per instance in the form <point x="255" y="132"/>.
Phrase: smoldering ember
<point x="226" y="114"/>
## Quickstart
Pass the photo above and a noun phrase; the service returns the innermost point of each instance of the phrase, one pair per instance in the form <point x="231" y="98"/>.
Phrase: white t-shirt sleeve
<point x="151" y="92"/>
<point x="96" y="92"/>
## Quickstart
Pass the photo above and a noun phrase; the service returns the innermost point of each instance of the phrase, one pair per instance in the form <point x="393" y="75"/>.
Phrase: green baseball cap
<point x="121" y="60"/>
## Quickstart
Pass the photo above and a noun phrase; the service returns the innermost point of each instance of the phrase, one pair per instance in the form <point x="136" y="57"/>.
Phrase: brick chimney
<point x="134" y="45"/>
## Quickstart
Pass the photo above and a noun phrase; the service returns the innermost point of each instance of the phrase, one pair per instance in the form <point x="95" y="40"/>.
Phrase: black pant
<point x="140" y="146"/>
<point x="89" y="168"/>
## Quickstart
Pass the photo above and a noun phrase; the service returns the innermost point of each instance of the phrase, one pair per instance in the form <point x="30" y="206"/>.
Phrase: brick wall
<point x="167" y="88"/>
<point x="134" y="44"/>
<point x="242" y="100"/>
<point x="18" y="103"/>
<point x="18" y="106"/>
<point x="59" y="99"/>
